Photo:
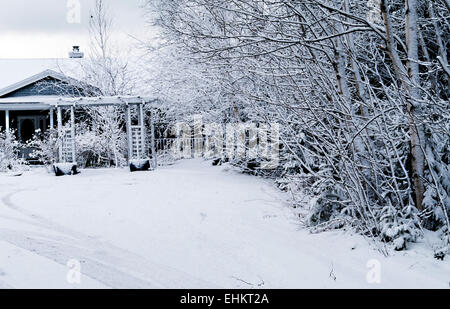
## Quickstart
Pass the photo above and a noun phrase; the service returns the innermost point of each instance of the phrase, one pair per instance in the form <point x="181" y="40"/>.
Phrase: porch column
<point x="7" y="121"/>
<point x="72" y="132"/>
<point x="60" y="135"/>
<point x="52" y="120"/>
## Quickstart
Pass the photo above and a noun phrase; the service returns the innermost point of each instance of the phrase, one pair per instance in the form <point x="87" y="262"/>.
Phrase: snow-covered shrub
<point x="45" y="146"/>
<point x="166" y="158"/>
<point x="322" y="209"/>
<point x="90" y="151"/>
<point x="437" y="194"/>
<point x="400" y="226"/>
<point x="9" y="153"/>
<point x="101" y="138"/>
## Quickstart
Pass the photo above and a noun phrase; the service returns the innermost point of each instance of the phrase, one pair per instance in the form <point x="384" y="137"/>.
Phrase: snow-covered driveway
<point x="190" y="225"/>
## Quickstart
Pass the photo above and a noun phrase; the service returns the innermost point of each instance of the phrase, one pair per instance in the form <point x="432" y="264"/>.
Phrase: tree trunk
<point x="410" y="82"/>
<point x="414" y="104"/>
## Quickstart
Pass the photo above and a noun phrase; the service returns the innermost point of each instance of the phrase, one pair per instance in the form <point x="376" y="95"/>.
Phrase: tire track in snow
<point x="61" y="252"/>
<point x="64" y="249"/>
<point x="108" y="264"/>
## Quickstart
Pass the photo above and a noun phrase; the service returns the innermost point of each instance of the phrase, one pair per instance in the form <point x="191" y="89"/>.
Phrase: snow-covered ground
<point x="190" y="225"/>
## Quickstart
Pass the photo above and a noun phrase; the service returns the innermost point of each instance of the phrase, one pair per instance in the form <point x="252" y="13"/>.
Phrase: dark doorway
<point x="27" y="130"/>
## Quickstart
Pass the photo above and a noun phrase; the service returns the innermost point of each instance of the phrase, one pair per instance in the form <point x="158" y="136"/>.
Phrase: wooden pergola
<point x="136" y="134"/>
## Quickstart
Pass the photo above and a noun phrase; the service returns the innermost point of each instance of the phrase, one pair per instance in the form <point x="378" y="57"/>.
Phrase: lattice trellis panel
<point x="137" y="142"/>
<point x="67" y="145"/>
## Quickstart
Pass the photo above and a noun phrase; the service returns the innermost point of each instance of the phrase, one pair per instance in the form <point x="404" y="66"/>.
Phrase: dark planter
<point x="140" y="165"/>
<point x="64" y="169"/>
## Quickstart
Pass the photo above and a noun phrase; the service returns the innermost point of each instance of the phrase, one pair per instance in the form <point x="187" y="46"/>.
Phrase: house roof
<point x="16" y="73"/>
<point x="35" y="78"/>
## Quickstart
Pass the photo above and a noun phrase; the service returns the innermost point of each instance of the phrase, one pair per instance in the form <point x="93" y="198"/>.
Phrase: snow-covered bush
<point x="400" y="226"/>
<point x="45" y="147"/>
<point x="101" y="138"/>
<point x="9" y="153"/>
<point x="166" y="158"/>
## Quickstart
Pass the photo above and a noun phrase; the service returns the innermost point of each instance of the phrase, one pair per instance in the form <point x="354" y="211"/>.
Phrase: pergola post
<point x="66" y="164"/>
<point x="137" y="130"/>
<point x="137" y="148"/>
<point x="129" y="133"/>
<point x="152" y="137"/>
<point x="142" y="124"/>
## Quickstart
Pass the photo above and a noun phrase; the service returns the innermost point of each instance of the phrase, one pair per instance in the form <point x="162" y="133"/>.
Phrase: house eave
<point x="24" y="107"/>
<point x="50" y="103"/>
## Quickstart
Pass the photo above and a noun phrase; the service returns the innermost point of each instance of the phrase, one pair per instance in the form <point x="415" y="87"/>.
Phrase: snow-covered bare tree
<point x="107" y="72"/>
<point x="360" y="91"/>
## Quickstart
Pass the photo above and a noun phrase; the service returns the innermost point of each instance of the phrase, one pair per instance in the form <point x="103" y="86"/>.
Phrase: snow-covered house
<point x="26" y="83"/>
<point x="35" y="93"/>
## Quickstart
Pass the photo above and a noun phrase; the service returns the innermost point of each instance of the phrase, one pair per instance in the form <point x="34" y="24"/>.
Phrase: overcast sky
<point x="48" y="28"/>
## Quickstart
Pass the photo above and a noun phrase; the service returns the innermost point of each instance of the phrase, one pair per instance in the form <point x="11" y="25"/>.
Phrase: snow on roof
<point x="13" y="71"/>
<point x="29" y="99"/>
